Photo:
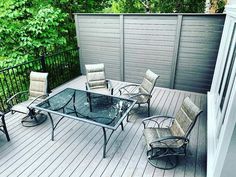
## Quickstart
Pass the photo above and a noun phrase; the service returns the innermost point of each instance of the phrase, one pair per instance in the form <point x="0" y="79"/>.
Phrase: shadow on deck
<point x="77" y="149"/>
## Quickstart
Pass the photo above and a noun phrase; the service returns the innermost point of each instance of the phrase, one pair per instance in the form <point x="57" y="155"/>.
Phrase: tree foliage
<point x="29" y="29"/>
<point x="32" y="27"/>
<point x="157" y="6"/>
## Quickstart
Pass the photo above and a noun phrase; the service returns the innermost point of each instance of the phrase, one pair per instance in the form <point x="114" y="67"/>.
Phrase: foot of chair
<point x="163" y="162"/>
<point x="34" y="121"/>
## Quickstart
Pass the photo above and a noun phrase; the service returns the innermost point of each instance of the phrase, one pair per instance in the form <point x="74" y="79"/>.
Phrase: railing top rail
<point x="35" y="60"/>
<point x="50" y="55"/>
<point x="148" y="14"/>
<point x="19" y="65"/>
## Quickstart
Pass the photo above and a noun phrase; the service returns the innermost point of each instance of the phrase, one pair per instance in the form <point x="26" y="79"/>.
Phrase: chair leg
<point x="33" y="119"/>
<point x="148" y="108"/>
<point x="162" y="160"/>
<point x="5" y="127"/>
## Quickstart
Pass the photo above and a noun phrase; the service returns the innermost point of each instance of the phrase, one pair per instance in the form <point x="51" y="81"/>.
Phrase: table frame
<point x="104" y="126"/>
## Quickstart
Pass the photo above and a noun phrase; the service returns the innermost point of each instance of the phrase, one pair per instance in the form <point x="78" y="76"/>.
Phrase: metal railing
<point x="62" y="67"/>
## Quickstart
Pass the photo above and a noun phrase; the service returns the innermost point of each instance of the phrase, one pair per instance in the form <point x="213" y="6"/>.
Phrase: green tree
<point x="28" y="29"/>
<point x="159" y="6"/>
<point x="70" y="7"/>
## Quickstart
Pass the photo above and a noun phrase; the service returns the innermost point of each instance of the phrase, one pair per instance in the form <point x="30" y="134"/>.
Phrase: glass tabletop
<point x="104" y="110"/>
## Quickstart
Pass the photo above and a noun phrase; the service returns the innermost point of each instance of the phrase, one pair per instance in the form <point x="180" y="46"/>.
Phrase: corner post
<point x="176" y="51"/>
<point x="122" y="65"/>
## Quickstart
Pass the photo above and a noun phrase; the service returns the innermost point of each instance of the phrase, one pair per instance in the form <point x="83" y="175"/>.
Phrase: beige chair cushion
<point x="153" y="134"/>
<point x="38" y="84"/>
<point x="95" y="74"/>
<point x="104" y="91"/>
<point x="185" y="117"/>
<point x="22" y="107"/>
<point x="148" y="82"/>
<point x="182" y="125"/>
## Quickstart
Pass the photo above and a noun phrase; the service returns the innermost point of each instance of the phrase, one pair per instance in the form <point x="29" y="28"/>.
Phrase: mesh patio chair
<point x="3" y="126"/>
<point x="142" y="93"/>
<point x="36" y="93"/>
<point x="97" y="82"/>
<point x="96" y="79"/>
<point x="167" y="137"/>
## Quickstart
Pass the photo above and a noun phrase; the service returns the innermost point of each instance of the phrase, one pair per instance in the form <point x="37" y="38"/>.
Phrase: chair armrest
<point x="141" y="94"/>
<point x="87" y="86"/>
<point x="35" y="99"/>
<point x="124" y="88"/>
<point x="14" y="96"/>
<point x="164" y="140"/>
<point x="109" y="84"/>
<point x="156" y="118"/>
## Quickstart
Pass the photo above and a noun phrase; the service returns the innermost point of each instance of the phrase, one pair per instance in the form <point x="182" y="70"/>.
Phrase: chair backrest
<point x="148" y="82"/>
<point x="95" y="74"/>
<point x="38" y="84"/>
<point x="185" y="118"/>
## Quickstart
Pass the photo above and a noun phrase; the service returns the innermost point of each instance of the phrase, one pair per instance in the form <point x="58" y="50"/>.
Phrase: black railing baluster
<point x="62" y="67"/>
<point x="6" y="84"/>
<point x="16" y="82"/>
<point x="43" y="63"/>
<point x="4" y="96"/>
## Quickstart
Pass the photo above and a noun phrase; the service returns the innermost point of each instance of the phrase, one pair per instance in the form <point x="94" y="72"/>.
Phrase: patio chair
<point x="167" y="137"/>
<point x="3" y="126"/>
<point x="142" y="93"/>
<point x="37" y="92"/>
<point x="96" y="80"/>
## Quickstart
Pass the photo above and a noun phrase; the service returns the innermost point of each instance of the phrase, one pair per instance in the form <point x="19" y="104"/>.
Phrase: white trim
<point x="211" y="135"/>
<point x="231" y="10"/>
<point x="218" y="67"/>
<point x="230" y="53"/>
<point x="217" y="148"/>
<point x="226" y="134"/>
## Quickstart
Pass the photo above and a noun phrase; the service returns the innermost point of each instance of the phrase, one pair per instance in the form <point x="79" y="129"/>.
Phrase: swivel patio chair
<point x="142" y="93"/>
<point x="167" y="137"/>
<point x="37" y="92"/>
<point x="3" y="126"/>
<point x="96" y="80"/>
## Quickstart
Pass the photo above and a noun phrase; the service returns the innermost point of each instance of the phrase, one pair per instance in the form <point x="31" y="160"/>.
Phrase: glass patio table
<point x="106" y="111"/>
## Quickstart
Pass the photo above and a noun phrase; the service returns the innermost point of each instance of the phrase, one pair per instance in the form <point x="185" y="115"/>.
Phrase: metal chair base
<point x="165" y="163"/>
<point x="162" y="159"/>
<point x="32" y="121"/>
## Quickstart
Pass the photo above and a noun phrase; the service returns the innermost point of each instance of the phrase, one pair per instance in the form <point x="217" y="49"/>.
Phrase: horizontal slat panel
<point x="149" y="43"/>
<point x="153" y="32"/>
<point x="199" y="44"/>
<point x="99" y="41"/>
<point x="150" y="37"/>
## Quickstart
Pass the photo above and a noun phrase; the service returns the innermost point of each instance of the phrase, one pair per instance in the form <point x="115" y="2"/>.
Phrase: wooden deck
<point x="77" y="149"/>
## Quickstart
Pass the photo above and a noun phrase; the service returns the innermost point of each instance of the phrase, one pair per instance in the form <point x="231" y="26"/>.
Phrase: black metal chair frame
<point x="169" y="154"/>
<point x="89" y="97"/>
<point x="131" y="95"/>
<point x="33" y="118"/>
<point x="3" y="125"/>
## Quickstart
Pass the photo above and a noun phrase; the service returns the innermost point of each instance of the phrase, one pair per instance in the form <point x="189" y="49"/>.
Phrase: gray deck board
<point x="77" y="148"/>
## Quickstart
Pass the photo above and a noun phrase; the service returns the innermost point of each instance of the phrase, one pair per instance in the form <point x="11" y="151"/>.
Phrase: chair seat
<point x="22" y="107"/>
<point x="139" y="99"/>
<point x="102" y="91"/>
<point x="153" y="134"/>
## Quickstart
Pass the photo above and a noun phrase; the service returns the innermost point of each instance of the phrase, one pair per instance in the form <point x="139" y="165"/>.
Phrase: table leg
<point x="52" y="123"/>
<point x="122" y="126"/>
<point x="105" y="142"/>
<point x="127" y="117"/>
